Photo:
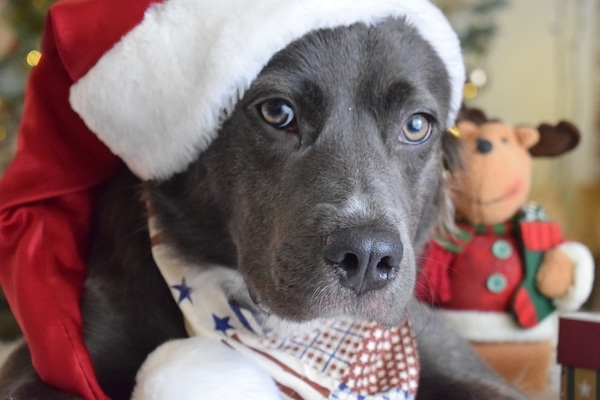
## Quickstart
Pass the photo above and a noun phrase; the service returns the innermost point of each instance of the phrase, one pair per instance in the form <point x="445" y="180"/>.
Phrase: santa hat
<point x="158" y="97"/>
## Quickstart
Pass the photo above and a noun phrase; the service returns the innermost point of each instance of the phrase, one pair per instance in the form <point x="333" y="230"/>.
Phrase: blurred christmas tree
<point x="476" y="24"/>
<point x="21" y="24"/>
<point x="474" y="21"/>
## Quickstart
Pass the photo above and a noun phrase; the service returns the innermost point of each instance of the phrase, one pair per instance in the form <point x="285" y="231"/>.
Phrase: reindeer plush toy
<point x="499" y="277"/>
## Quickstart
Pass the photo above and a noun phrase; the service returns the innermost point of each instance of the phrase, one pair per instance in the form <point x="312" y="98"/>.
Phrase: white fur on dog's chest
<point x="241" y="346"/>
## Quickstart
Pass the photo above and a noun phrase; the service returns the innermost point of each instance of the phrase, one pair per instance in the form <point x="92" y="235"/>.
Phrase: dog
<point x="318" y="194"/>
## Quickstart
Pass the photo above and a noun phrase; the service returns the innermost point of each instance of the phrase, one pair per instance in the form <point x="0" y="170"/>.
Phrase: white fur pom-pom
<point x="201" y="368"/>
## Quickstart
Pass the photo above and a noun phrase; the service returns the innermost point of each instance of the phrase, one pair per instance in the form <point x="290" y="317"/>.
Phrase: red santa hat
<point x="158" y="97"/>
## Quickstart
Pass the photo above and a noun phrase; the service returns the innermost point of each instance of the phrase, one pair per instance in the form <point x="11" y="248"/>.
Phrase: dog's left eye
<point x="278" y="113"/>
<point x="416" y="129"/>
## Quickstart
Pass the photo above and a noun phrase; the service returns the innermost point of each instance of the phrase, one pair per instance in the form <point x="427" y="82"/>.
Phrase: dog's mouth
<point x="370" y="307"/>
<point x="324" y="296"/>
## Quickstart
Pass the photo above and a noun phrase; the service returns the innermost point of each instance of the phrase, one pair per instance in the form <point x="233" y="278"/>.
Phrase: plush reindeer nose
<point x="484" y="146"/>
<point x="365" y="259"/>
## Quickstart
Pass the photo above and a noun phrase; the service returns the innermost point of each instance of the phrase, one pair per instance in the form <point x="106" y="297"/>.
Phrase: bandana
<point x="330" y="359"/>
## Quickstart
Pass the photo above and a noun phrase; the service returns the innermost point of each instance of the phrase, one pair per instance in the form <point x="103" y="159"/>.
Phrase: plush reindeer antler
<point x="556" y="140"/>
<point x="474" y="115"/>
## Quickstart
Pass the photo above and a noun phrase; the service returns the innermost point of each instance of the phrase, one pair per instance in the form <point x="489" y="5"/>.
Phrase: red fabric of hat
<point x="47" y="193"/>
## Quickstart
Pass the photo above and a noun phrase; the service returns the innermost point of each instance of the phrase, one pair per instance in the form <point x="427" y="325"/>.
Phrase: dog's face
<point x="325" y="180"/>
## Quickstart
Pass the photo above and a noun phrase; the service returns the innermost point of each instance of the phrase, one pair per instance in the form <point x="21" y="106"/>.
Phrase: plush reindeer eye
<point x="278" y="113"/>
<point x="416" y="129"/>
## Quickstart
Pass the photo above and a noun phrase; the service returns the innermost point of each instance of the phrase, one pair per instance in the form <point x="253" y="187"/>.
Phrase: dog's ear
<point x="452" y="160"/>
<point x="556" y="140"/>
<point x="447" y="211"/>
<point x="451" y="153"/>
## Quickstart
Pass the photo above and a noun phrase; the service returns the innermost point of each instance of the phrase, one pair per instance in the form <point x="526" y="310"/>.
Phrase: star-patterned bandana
<point x="331" y="359"/>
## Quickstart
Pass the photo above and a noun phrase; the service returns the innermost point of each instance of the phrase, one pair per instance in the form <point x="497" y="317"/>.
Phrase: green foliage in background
<point x="25" y="18"/>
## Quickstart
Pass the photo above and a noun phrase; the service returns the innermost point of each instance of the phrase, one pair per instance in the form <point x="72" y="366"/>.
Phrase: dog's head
<point x="324" y="181"/>
<point x="298" y="141"/>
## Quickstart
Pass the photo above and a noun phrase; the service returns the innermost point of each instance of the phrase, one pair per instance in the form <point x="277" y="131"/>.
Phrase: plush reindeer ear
<point x="527" y="136"/>
<point x="556" y="140"/>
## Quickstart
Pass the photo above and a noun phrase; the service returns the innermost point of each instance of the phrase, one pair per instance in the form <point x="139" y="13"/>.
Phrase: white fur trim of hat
<point x="158" y="97"/>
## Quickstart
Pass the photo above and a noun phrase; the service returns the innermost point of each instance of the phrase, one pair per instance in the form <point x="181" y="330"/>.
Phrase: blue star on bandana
<point x="222" y="324"/>
<point x="185" y="291"/>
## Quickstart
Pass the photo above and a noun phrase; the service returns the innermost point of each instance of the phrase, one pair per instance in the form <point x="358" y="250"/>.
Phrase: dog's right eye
<point x="278" y="113"/>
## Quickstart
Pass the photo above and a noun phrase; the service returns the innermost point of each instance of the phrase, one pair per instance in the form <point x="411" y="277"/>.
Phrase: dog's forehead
<point x="364" y="60"/>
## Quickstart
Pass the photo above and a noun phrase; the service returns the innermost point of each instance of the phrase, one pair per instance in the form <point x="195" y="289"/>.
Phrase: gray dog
<point x="318" y="193"/>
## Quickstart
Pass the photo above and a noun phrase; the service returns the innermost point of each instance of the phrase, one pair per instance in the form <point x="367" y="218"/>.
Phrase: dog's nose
<point x="365" y="259"/>
<point x="484" y="146"/>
